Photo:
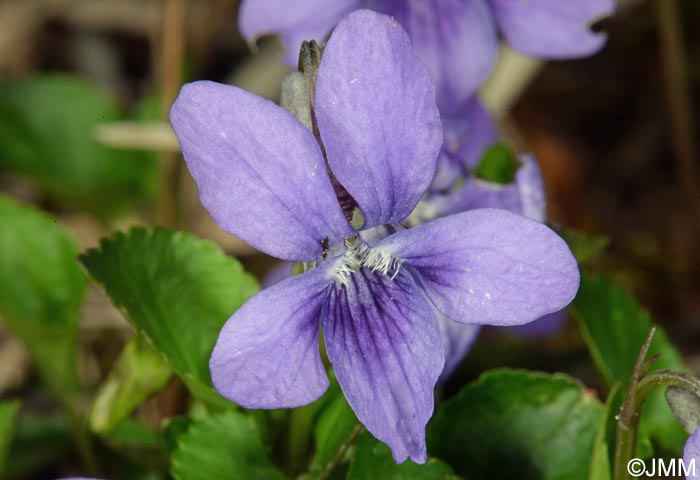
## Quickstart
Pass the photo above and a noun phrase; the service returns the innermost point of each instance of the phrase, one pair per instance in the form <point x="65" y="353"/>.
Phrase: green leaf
<point x="133" y="434"/>
<point x="517" y="424"/>
<point x="334" y="427"/>
<point x="224" y="446"/>
<point x="47" y="129"/>
<point x="614" y="327"/>
<point x="38" y="442"/>
<point x="139" y="444"/>
<point x="583" y="245"/>
<point x="498" y="165"/>
<point x="177" y="291"/>
<point x="41" y="290"/>
<point x="373" y="460"/>
<point x="172" y="428"/>
<point x="8" y="417"/>
<point x="604" y="444"/>
<point x="139" y="372"/>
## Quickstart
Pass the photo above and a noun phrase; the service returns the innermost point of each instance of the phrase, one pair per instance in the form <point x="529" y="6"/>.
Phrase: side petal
<point x="488" y="266"/>
<point x="477" y="193"/>
<point x="375" y="106"/>
<point x="294" y="22"/>
<point x="551" y="29"/>
<point x="455" y="38"/>
<point x="267" y="354"/>
<point x="260" y="172"/>
<point x="525" y="196"/>
<point x="383" y="340"/>
<point x="472" y="195"/>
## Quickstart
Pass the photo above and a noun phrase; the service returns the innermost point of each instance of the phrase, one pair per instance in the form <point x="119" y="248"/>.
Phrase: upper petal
<point x="260" y="172"/>
<point x="383" y="340"/>
<point x="267" y="354"/>
<point x="455" y="38"/>
<point x="489" y="266"/>
<point x="294" y="22"/>
<point x="376" y="112"/>
<point x="552" y="29"/>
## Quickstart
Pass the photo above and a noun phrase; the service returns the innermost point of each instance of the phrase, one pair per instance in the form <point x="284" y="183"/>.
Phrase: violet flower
<point x="457" y="39"/>
<point x="263" y="177"/>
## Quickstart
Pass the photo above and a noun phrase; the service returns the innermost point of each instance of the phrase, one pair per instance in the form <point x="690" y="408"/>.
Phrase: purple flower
<point x="524" y="196"/>
<point x="691" y="453"/>
<point x="377" y="292"/>
<point x="457" y="39"/>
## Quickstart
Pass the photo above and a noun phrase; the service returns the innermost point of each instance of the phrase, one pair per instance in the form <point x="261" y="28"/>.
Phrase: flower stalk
<point x="641" y="385"/>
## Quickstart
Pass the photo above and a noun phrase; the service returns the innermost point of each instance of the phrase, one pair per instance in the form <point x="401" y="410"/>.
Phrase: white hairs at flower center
<point x="359" y="255"/>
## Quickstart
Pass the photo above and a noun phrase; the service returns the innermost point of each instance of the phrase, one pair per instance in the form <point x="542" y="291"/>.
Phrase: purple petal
<point x="477" y="193"/>
<point x="457" y="340"/>
<point x="552" y="29"/>
<point x="260" y="172"/>
<point x="267" y="354"/>
<point x="488" y="266"/>
<point x="294" y="22"/>
<point x="447" y="173"/>
<point x="480" y="133"/>
<point x="383" y="340"/>
<point x="468" y="133"/>
<point x="376" y="112"/>
<point x="525" y="196"/>
<point x="474" y="194"/>
<point x="455" y="38"/>
<point x="691" y="453"/>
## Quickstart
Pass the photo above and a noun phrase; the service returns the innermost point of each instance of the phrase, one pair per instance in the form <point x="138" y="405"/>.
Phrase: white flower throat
<point x="358" y="255"/>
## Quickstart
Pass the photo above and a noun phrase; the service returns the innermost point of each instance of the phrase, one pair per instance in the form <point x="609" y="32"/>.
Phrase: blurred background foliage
<point x="85" y="151"/>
